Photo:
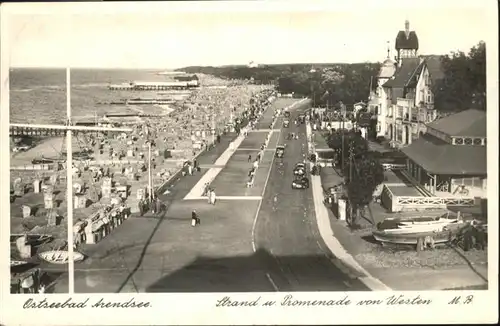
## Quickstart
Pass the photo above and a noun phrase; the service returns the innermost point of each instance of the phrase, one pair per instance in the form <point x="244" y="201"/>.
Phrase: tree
<point x="352" y="141"/>
<point x="367" y="173"/>
<point x="341" y="82"/>
<point x="362" y="169"/>
<point x="463" y="85"/>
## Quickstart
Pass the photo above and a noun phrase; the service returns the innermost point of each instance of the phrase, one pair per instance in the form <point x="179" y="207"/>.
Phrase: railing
<point x="407" y="203"/>
<point x="391" y="166"/>
<point x="405" y="200"/>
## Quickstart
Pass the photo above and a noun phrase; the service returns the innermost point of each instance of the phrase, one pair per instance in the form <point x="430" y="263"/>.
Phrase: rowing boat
<point x="59" y="256"/>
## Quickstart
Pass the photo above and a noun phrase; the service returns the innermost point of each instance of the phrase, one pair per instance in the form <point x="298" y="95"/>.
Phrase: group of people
<point x="258" y="101"/>
<point x="145" y="205"/>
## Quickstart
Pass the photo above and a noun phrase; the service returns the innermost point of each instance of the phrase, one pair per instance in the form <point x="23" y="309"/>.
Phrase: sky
<point x="217" y="33"/>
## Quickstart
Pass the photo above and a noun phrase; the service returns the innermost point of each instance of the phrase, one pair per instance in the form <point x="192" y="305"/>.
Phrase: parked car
<point x="300" y="165"/>
<point x="299" y="169"/>
<point x="280" y="151"/>
<point x="287" y="114"/>
<point x="300" y="183"/>
<point x="286" y="123"/>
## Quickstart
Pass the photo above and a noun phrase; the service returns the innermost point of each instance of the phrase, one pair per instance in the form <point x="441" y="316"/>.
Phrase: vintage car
<point x="300" y="183"/>
<point x="280" y="151"/>
<point x="287" y="114"/>
<point x="286" y="123"/>
<point x="300" y="169"/>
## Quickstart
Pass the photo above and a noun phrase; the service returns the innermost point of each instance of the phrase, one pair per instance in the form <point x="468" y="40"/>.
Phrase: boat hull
<point x="412" y="238"/>
<point x="59" y="257"/>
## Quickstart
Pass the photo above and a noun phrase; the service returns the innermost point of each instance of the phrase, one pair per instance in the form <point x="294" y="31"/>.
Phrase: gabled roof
<point x="433" y="63"/>
<point x="410" y="43"/>
<point x="404" y="73"/>
<point x="468" y="123"/>
<point x="439" y="157"/>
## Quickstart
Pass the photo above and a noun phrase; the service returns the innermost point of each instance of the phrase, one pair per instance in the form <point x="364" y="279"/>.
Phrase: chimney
<point x="407" y="28"/>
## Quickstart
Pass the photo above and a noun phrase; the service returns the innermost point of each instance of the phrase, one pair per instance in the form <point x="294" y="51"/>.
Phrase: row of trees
<point x="361" y="168"/>
<point x="326" y="84"/>
<point x="463" y="85"/>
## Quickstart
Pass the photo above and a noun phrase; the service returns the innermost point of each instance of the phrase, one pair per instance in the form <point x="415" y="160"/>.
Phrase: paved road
<point x="286" y="229"/>
<point x="165" y="254"/>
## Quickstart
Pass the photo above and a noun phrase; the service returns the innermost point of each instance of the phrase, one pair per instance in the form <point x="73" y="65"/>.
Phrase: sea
<point x="39" y="95"/>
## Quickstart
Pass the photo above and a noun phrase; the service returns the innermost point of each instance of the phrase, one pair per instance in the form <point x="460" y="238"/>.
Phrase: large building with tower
<point x="402" y="98"/>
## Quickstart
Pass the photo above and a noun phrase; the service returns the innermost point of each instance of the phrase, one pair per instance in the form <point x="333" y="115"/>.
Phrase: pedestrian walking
<point x="158" y="205"/>
<point x="195" y="220"/>
<point x="212" y="197"/>
<point x="209" y="193"/>
<point x="141" y="207"/>
<point x="249" y="157"/>
<point x="190" y="169"/>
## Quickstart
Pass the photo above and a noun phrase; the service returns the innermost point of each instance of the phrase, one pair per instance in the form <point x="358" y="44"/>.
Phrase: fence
<point x="391" y="166"/>
<point x="407" y="203"/>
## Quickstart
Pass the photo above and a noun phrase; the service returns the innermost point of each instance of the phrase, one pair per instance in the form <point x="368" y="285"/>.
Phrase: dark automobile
<point x="287" y="114"/>
<point x="300" y="183"/>
<point x="286" y="123"/>
<point x="280" y="151"/>
<point x="300" y="169"/>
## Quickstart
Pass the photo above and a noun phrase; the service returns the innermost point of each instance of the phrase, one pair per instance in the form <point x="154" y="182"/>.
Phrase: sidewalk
<point x="401" y="270"/>
<point x="345" y="261"/>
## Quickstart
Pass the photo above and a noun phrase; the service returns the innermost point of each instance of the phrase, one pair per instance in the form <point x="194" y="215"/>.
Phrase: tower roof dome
<point x="387" y="69"/>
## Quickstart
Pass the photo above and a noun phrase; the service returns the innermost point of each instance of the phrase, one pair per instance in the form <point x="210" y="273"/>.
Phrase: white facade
<point x="404" y="121"/>
<point x="378" y="104"/>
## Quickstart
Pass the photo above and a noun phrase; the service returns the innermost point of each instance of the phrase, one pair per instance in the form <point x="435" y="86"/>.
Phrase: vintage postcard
<point x="249" y="162"/>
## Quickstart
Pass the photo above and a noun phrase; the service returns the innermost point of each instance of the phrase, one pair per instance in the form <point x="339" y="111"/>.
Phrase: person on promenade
<point x="209" y="194"/>
<point x="141" y="207"/>
<point x="158" y="205"/>
<point x="249" y="157"/>
<point x="212" y="197"/>
<point x="195" y="220"/>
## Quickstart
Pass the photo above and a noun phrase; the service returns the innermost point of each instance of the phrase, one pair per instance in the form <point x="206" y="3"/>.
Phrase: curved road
<point x="286" y="228"/>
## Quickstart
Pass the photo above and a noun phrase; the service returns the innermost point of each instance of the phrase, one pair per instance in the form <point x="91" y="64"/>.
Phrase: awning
<point x="439" y="157"/>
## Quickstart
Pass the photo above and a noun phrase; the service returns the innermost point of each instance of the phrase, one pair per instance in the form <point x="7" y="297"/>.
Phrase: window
<point x="478" y="141"/>
<point x="458" y="141"/>
<point x="468" y="141"/>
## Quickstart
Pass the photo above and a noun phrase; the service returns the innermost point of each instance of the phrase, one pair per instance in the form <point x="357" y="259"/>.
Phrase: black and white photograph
<point x="228" y="150"/>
